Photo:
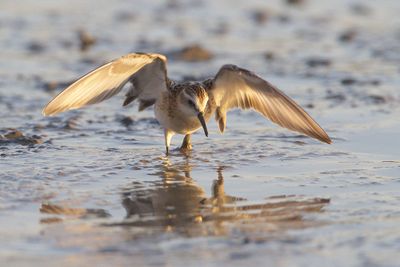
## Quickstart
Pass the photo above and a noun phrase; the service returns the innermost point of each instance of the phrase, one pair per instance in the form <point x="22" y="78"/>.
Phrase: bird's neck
<point x="208" y="83"/>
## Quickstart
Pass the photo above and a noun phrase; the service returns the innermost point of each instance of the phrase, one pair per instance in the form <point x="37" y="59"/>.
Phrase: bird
<point x="185" y="107"/>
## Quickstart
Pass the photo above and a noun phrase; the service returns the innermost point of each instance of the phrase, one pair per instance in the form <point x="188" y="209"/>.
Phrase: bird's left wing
<point x="234" y="87"/>
<point x="108" y="80"/>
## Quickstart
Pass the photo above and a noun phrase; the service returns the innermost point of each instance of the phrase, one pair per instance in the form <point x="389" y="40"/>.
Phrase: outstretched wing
<point x="108" y="80"/>
<point x="235" y="87"/>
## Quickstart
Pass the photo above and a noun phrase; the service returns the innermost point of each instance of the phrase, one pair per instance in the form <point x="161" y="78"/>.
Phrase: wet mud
<point x="94" y="187"/>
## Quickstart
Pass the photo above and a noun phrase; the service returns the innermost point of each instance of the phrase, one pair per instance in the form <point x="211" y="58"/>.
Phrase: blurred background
<point x="91" y="187"/>
<point x="296" y="37"/>
<point x="347" y="51"/>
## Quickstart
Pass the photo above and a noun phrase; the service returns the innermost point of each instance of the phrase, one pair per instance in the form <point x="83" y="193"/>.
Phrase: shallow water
<point x="93" y="187"/>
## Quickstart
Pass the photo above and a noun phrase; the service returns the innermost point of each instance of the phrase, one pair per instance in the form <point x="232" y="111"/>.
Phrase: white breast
<point x="170" y="117"/>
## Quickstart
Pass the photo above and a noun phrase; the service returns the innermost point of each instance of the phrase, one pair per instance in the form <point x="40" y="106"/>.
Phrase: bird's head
<point x="193" y="100"/>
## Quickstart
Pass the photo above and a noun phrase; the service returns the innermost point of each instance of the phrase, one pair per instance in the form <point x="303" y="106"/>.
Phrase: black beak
<point x="203" y="123"/>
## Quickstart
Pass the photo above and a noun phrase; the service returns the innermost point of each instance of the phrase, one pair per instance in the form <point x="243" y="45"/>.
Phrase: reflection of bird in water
<point x="173" y="200"/>
<point x="185" y="107"/>
<point x="178" y="203"/>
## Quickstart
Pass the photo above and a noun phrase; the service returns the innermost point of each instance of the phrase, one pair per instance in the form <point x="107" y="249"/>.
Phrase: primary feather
<point x="108" y="80"/>
<point x="235" y="87"/>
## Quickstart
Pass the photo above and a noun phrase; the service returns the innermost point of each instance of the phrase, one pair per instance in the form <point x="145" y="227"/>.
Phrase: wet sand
<point x="93" y="187"/>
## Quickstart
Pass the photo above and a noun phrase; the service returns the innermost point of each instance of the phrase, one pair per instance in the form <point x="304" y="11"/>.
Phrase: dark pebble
<point x="295" y="2"/>
<point x="192" y="53"/>
<point x="239" y="255"/>
<point x="375" y="82"/>
<point x="38" y="127"/>
<point x="150" y="121"/>
<point x="53" y="85"/>
<point x="86" y="40"/>
<point x="352" y="81"/>
<point x="283" y="18"/>
<point x="126" y="121"/>
<point x="221" y="29"/>
<point x="361" y="9"/>
<point x="260" y="16"/>
<point x="173" y="4"/>
<point x="14" y="136"/>
<point x="377" y="99"/>
<point x="269" y="55"/>
<point x="125" y="16"/>
<point x="310" y="106"/>
<point x="50" y="86"/>
<point x="36" y="47"/>
<point x="336" y="97"/>
<point x="347" y="36"/>
<point x="348" y="81"/>
<point x="318" y="62"/>
<point x="71" y="124"/>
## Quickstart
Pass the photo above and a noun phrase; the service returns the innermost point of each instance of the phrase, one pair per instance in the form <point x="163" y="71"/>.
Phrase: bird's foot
<point x="186" y="146"/>
<point x="185" y="150"/>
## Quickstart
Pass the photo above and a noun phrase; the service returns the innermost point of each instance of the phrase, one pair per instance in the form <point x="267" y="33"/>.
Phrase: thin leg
<point x="218" y="185"/>
<point x="167" y="135"/>
<point x="186" y="144"/>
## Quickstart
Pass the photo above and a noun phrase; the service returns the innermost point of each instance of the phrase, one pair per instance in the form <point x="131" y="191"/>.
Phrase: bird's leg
<point x="218" y="185"/>
<point x="167" y="135"/>
<point x="186" y="144"/>
<point x="218" y="193"/>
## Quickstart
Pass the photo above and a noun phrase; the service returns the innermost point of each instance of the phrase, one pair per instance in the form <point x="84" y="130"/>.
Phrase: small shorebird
<point x="185" y="107"/>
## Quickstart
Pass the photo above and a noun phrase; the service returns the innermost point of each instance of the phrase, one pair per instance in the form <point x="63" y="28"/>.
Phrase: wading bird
<point x="183" y="108"/>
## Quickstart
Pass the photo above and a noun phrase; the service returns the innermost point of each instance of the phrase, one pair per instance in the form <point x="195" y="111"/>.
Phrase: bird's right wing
<point x="108" y="80"/>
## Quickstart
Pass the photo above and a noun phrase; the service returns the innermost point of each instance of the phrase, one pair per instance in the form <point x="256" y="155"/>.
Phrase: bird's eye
<point x="190" y="102"/>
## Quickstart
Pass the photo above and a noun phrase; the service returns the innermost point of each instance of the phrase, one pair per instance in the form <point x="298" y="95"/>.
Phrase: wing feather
<point x="108" y="80"/>
<point x="235" y="87"/>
